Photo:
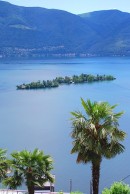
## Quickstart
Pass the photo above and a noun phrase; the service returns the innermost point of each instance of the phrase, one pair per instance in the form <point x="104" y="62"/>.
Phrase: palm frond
<point x="97" y="131"/>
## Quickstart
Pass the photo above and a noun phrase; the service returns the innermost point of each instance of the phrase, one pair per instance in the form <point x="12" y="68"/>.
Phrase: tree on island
<point x="83" y="78"/>
<point x="33" y="168"/>
<point x="96" y="136"/>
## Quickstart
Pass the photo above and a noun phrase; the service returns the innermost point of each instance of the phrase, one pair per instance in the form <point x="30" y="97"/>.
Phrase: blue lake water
<point x="41" y="118"/>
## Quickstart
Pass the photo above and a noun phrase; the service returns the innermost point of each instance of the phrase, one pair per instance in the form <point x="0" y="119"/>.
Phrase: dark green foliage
<point x="33" y="168"/>
<point x="96" y="135"/>
<point x="3" y="164"/>
<point x="117" y="188"/>
<point x="83" y="78"/>
<point x="76" y="192"/>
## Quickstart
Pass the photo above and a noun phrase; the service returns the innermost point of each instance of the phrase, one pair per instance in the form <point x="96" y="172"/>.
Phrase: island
<point x="75" y="79"/>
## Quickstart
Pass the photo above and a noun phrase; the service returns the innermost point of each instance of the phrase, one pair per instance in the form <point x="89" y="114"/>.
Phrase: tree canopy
<point x="96" y="135"/>
<point x="32" y="168"/>
<point x="3" y="164"/>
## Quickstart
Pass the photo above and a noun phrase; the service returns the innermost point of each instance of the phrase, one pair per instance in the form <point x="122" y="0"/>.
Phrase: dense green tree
<point x="117" y="188"/>
<point x="67" y="80"/>
<point x="33" y="168"/>
<point x="3" y="164"/>
<point x="60" y="80"/>
<point x="96" y="136"/>
<point x="75" y="79"/>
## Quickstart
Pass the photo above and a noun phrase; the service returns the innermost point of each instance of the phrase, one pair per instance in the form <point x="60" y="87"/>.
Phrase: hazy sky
<point x="77" y="6"/>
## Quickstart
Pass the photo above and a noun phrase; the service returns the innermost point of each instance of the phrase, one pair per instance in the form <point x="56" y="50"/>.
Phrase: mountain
<point x="114" y="28"/>
<point x="33" y="32"/>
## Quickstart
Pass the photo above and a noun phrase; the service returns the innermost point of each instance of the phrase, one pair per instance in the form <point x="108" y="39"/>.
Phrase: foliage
<point x="60" y="192"/>
<point x="83" y="78"/>
<point x="117" y="188"/>
<point x="96" y="135"/>
<point x="3" y="164"/>
<point x="33" y="168"/>
<point x="76" y="192"/>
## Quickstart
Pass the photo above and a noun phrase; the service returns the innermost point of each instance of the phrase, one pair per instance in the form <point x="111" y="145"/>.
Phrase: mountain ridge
<point x="34" y="32"/>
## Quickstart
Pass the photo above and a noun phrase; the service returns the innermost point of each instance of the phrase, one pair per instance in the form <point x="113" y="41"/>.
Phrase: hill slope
<point x="39" y="32"/>
<point x="114" y="28"/>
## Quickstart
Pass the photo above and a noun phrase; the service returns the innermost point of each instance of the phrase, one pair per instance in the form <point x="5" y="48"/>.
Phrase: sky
<point x="76" y="6"/>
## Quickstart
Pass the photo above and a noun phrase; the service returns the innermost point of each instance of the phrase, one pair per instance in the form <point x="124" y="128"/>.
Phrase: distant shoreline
<point x="17" y="58"/>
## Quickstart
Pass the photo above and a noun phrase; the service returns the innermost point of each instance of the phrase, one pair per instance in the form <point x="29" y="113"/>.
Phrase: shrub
<point x="76" y="192"/>
<point x="117" y="188"/>
<point x="60" y="192"/>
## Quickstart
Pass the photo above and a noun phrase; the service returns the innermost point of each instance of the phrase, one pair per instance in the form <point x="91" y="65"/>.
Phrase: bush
<point x="60" y="192"/>
<point x="76" y="192"/>
<point x="117" y="188"/>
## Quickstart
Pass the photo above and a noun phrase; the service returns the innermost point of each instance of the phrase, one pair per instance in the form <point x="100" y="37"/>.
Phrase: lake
<point x="41" y="118"/>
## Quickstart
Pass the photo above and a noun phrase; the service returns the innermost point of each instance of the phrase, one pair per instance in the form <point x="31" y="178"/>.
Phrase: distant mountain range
<point x="37" y="33"/>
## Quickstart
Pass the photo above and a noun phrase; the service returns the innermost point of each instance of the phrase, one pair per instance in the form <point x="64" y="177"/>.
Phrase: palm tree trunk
<point x="95" y="176"/>
<point x="31" y="189"/>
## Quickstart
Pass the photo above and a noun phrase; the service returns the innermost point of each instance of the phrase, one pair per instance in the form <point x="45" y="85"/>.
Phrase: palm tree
<point x="96" y="136"/>
<point x="33" y="168"/>
<point x="3" y="164"/>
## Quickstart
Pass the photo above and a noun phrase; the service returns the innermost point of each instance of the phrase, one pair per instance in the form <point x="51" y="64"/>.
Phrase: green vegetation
<point x="96" y="136"/>
<point x="83" y="78"/>
<point x="32" y="168"/>
<point x="76" y="192"/>
<point x="60" y="192"/>
<point x="117" y="188"/>
<point x="3" y="164"/>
